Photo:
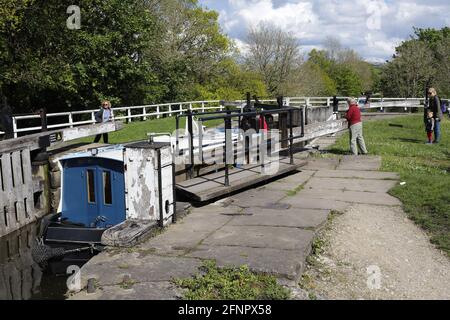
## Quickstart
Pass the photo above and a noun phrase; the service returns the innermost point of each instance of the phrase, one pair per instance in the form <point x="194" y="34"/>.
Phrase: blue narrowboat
<point x="104" y="187"/>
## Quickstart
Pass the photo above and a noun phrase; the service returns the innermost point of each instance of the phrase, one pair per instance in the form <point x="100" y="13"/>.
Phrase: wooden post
<point x="43" y="115"/>
<point x="7" y="120"/>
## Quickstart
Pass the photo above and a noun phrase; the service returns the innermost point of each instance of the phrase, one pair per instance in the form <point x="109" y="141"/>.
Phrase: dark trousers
<point x="105" y="138"/>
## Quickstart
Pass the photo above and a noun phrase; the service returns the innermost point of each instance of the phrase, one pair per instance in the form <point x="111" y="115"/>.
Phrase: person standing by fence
<point x="102" y="116"/>
<point x="435" y="107"/>
<point x="353" y="117"/>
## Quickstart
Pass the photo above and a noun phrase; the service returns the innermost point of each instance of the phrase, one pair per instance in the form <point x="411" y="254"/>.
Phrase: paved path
<point x="270" y="229"/>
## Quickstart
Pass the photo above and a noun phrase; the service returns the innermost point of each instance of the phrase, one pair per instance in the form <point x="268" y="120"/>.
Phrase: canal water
<point x="20" y="277"/>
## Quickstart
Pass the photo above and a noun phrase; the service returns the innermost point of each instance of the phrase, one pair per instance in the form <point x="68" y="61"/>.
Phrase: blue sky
<point x="371" y="27"/>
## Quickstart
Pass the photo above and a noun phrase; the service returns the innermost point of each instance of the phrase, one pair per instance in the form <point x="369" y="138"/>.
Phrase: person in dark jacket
<point x="435" y="107"/>
<point x="429" y="127"/>
<point x="101" y="116"/>
<point x="353" y="117"/>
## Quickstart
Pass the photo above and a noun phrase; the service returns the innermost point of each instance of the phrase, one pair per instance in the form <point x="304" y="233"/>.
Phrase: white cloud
<point x="242" y="46"/>
<point x="372" y="27"/>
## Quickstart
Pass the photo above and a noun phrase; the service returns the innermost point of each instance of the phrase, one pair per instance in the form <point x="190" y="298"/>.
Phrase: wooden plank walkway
<point x="212" y="185"/>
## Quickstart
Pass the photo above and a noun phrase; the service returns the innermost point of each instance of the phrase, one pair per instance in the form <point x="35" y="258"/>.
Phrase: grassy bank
<point x="424" y="168"/>
<point x="137" y="130"/>
<point x="231" y="284"/>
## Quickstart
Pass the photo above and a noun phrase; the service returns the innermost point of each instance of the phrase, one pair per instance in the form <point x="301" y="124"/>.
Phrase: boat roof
<point x="113" y="152"/>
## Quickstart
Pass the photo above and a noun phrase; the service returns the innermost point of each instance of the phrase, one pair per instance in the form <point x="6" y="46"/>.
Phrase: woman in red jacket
<point x="353" y="117"/>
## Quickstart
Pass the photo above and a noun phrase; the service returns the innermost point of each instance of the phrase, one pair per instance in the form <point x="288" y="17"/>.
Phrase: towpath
<point x="270" y="228"/>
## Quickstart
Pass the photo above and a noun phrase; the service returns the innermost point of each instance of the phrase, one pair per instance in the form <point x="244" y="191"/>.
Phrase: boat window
<point x="91" y="186"/>
<point x="107" y="192"/>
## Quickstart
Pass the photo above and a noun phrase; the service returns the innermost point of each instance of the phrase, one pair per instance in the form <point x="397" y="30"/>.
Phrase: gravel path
<point x="376" y="252"/>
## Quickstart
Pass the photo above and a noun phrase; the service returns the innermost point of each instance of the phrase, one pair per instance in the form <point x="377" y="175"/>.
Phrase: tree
<point x="128" y="51"/>
<point x="343" y="71"/>
<point x="11" y="13"/>
<point x="348" y="83"/>
<point x="274" y="54"/>
<point x="193" y="45"/>
<point x="57" y="68"/>
<point x="337" y="54"/>
<point x="231" y="83"/>
<point x="409" y="71"/>
<point x="442" y="73"/>
<point x="312" y="80"/>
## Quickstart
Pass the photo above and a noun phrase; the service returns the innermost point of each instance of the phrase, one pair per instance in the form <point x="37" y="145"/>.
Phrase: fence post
<point x="157" y="112"/>
<point x="287" y="101"/>
<point x="128" y="115"/>
<point x="43" y="114"/>
<point x="308" y="101"/>
<point x="203" y="106"/>
<point x="14" y="127"/>
<point x="6" y="119"/>
<point x="170" y="110"/>
<point x="70" y="120"/>
<point x="144" y="112"/>
<point x="93" y="117"/>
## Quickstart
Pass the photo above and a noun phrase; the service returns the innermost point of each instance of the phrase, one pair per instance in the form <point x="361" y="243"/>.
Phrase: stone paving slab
<point x="305" y="202"/>
<point x="353" y="196"/>
<point x="366" y="163"/>
<point x="260" y="237"/>
<point x="350" y="184"/>
<point x="265" y="260"/>
<point x="293" y="217"/>
<point x="319" y="163"/>
<point x="284" y="186"/>
<point x="349" y="174"/>
<point x="212" y="210"/>
<point x="298" y="178"/>
<point x="257" y="198"/>
<point x="290" y="182"/>
<point x="186" y="234"/>
<point x="164" y="290"/>
<point x="203" y="222"/>
<point x="110" y="270"/>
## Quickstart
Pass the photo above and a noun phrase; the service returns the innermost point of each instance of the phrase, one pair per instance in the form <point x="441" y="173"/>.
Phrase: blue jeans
<point x="437" y="131"/>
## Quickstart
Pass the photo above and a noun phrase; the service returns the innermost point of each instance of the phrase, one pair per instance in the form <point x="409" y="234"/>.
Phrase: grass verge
<point x="231" y="284"/>
<point x="425" y="169"/>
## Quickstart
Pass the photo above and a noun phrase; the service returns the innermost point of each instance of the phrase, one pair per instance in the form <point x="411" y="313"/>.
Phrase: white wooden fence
<point x="77" y="118"/>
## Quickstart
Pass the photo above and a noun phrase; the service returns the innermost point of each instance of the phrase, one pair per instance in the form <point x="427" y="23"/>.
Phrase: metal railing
<point x="144" y="112"/>
<point x="253" y="113"/>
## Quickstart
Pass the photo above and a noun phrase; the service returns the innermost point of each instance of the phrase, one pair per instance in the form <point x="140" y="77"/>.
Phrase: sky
<point x="373" y="28"/>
